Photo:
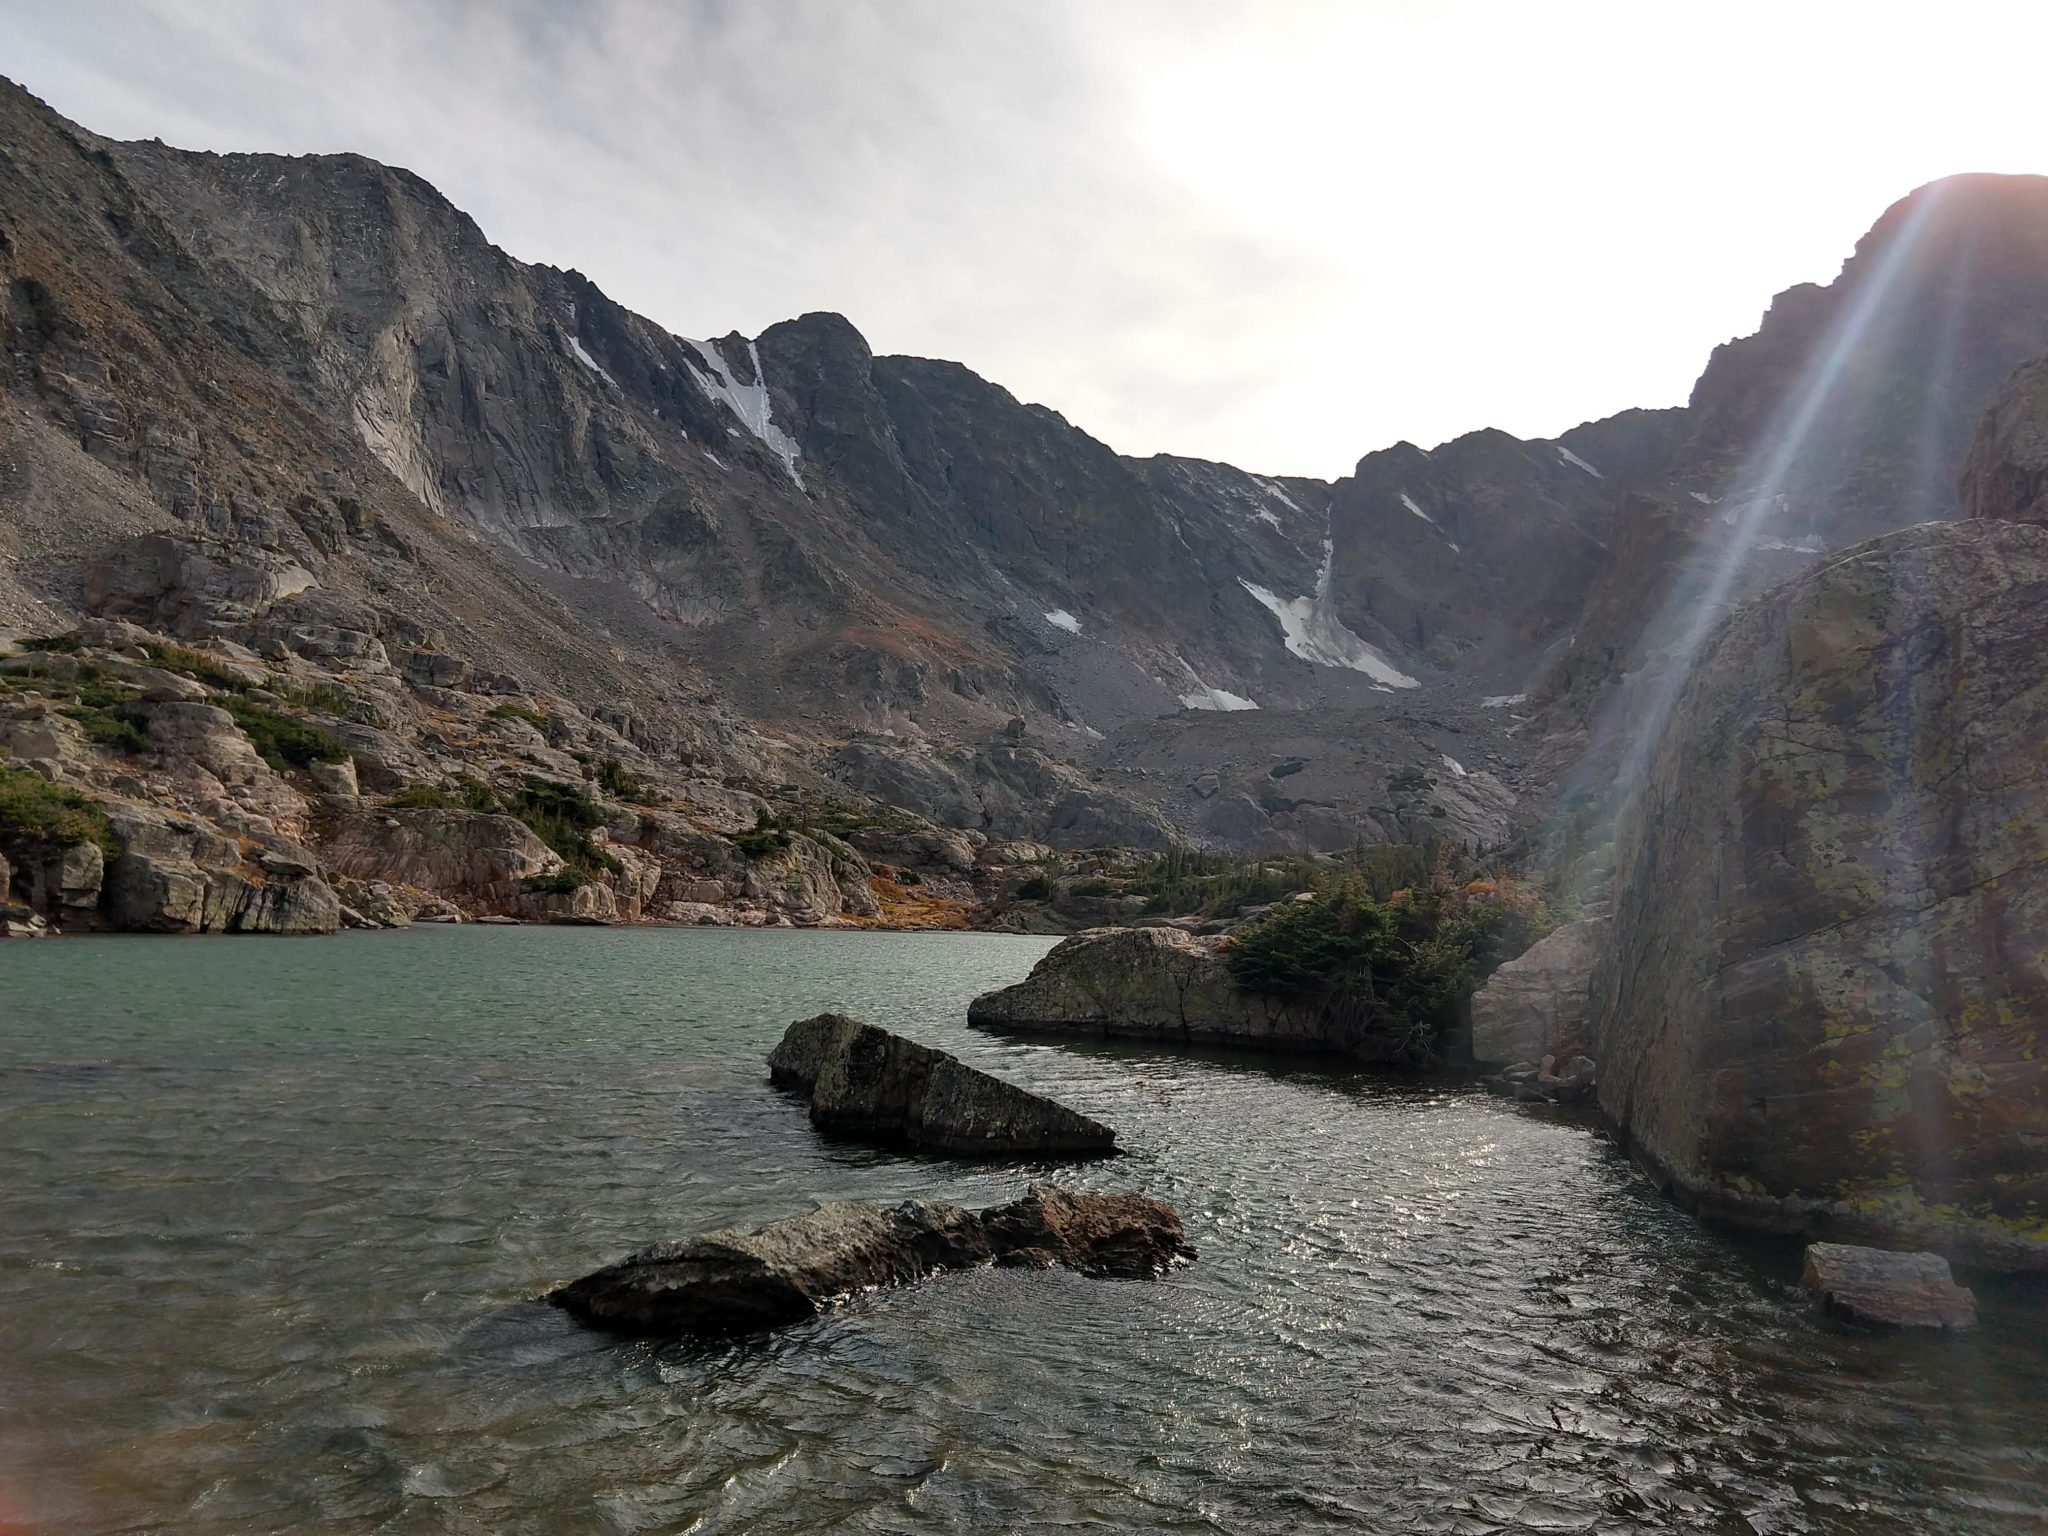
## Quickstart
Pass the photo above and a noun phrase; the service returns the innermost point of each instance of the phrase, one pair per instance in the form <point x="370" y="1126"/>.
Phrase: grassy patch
<point x="465" y="794"/>
<point x="110" y="728"/>
<point x="200" y="666"/>
<point x="39" y="818"/>
<point x="321" y="698"/>
<point x="532" y="717"/>
<point x="282" y="741"/>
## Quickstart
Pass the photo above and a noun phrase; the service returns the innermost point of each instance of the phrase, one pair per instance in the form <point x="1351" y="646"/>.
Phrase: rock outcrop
<point x="1896" y="1290"/>
<point x="1822" y="1003"/>
<point x="2006" y="475"/>
<point x="736" y="1282"/>
<point x="1535" y="1004"/>
<point x="1158" y="984"/>
<point x="866" y="1082"/>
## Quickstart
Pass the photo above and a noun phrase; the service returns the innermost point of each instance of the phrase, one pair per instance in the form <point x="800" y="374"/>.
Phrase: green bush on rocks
<point x="282" y="741"/>
<point x="39" y="818"/>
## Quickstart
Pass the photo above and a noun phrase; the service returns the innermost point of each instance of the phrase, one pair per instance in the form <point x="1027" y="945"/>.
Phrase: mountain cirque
<point x="301" y="406"/>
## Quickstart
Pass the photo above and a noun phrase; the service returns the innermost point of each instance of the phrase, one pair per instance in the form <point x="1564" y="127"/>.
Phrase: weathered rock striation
<point x="1896" y="1290"/>
<point x="867" y="1082"/>
<point x="1822" y="1003"/>
<point x="736" y="1282"/>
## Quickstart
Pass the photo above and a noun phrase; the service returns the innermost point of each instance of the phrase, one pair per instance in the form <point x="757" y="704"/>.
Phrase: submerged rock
<point x="1899" y="1290"/>
<point x="865" y="1081"/>
<point x="735" y="1282"/>
<point x="1158" y="984"/>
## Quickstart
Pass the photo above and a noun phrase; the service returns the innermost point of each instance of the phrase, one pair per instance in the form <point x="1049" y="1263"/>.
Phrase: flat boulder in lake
<point x="1899" y="1290"/>
<point x="738" y="1282"/>
<point x="865" y="1081"/>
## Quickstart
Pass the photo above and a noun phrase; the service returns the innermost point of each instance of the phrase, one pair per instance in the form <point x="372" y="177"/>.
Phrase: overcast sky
<point x="1281" y="233"/>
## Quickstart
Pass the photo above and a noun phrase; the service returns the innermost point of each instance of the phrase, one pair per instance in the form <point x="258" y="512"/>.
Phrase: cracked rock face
<point x="1822" y="1002"/>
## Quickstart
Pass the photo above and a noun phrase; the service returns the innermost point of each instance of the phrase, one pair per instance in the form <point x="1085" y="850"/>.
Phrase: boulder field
<point x="1820" y="1004"/>
<point x="866" y="1082"/>
<point x="737" y="1282"/>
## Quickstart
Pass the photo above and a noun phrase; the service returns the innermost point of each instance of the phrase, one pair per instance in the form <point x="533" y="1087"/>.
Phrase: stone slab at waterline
<point x="1898" y="1290"/>
<point x="1154" y="984"/>
<point x="864" y="1081"/>
<point x="737" y="1282"/>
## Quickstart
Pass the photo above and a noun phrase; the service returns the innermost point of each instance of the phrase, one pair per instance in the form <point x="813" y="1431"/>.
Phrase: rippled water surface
<point x="272" y="1215"/>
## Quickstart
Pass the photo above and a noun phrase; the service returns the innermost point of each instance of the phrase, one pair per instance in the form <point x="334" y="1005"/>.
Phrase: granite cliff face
<point x="1820" y="1001"/>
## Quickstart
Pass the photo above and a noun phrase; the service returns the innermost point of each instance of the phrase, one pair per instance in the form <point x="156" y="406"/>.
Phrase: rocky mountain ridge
<point x="301" y="411"/>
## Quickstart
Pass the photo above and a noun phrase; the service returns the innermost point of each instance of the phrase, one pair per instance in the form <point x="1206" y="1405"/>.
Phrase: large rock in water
<point x="1535" y="1005"/>
<point x="1822" y="1005"/>
<point x="1157" y="984"/>
<point x="1899" y="1290"/>
<point x="865" y="1081"/>
<point x="736" y="1282"/>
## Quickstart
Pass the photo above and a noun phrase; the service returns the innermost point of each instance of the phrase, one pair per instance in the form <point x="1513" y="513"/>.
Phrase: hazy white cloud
<point x="1282" y="234"/>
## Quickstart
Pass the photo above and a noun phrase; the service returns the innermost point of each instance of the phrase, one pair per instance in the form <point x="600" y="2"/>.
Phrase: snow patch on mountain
<point x="1572" y="458"/>
<point x="1222" y="699"/>
<point x="1059" y="618"/>
<point x="749" y="402"/>
<point x="1274" y="490"/>
<point x="1310" y="629"/>
<point x="1503" y="700"/>
<point x="1455" y="766"/>
<point x="1409" y="502"/>
<point x="583" y="357"/>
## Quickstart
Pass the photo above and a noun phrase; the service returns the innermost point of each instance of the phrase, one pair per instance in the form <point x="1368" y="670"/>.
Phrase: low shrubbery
<point x="282" y="741"/>
<point x="621" y="782"/>
<point x="563" y="816"/>
<point x="562" y="882"/>
<point x="60" y="643"/>
<point x="560" y="815"/>
<point x="200" y="666"/>
<point x="112" y="728"/>
<point x="1396" y="966"/>
<point x="39" y="818"/>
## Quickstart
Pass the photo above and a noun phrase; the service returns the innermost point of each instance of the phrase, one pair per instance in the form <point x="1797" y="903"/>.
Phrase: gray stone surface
<point x="1535" y="1004"/>
<point x="866" y="1082"/>
<point x="1823" y="1000"/>
<point x="1154" y="984"/>
<point x="1899" y="1290"/>
<point x="736" y="1282"/>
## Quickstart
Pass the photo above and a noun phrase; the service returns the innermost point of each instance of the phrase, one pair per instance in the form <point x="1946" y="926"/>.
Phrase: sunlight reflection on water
<point x="272" y="1216"/>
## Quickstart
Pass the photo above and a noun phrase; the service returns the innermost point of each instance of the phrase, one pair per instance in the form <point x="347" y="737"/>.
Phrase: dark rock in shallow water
<point x="736" y="1282"/>
<point x="1900" y="1290"/>
<point x="865" y="1081"/>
